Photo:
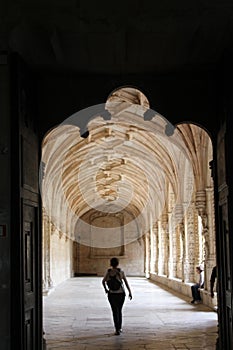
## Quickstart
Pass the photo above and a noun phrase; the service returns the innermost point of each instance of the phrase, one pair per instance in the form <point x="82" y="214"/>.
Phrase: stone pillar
<point x="179" y="239"/>
<point x="153" y="249"/>
<point x="190" y="243"/>
<point x="179" y="244"/>
<point x="174" y="249"/>
<point x="165" y="244"/>
<point x="160" y="250"/>
<point x="201" y="208"/>
<point x="156" y="236"/>
<point x="210" y="236"/>
<point x="44" y="250"/>
<point x="211" y="222"/>
<point x="147" y="248"/>
<point x="185" y="259"/>
<point x="47" y="229"/>
<point x="170" y="256"/>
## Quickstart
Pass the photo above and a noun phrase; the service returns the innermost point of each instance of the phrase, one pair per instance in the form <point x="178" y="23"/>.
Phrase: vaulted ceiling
<point x="127" y="167"/>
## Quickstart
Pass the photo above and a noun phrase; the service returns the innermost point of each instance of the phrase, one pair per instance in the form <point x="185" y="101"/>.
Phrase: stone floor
<point x="77" y="316"/>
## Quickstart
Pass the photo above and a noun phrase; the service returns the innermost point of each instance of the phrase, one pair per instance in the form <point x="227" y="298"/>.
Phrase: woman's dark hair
<point x="114" y="262"/>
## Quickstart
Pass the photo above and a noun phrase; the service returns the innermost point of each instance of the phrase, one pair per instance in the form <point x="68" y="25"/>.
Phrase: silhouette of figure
<point x="116" y="295"/>
<point x="212" y="280"/>
<point x="196" y="287"/>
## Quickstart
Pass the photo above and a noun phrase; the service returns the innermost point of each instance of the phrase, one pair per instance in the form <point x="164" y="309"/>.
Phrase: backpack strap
<point x="117" y="273"/>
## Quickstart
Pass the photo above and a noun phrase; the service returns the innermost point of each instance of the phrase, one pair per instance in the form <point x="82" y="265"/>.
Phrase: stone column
<point x="170" y="253"/>
<point x="52" y="230"/>
<point x="179" y="239"/>
<point x="160" y="254"/>
<point x="179" y="244"/>
<point x="190" y="243"/>
<point x="165" y="243"/>
<point x="210" y="236"/>
<point x="44" y="250"/>
<point x="185" y="259"/>
<point x="174" y="248"/>
<point x="147" y="248"/>
<point x="47" y="229"/>
<point x="156" y="236"/>
<point x="201" y="208"/>
<point x="153" y="249"/>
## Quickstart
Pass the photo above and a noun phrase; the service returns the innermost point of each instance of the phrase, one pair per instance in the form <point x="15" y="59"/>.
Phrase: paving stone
<point x="77" y="316"/>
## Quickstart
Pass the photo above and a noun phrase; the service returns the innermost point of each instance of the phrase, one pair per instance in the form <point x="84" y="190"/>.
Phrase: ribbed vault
<point x="123" y="169"/>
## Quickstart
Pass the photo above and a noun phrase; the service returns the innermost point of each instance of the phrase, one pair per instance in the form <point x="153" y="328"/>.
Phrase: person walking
<point x="114" y="287"/>
<point x="197" y="286"/>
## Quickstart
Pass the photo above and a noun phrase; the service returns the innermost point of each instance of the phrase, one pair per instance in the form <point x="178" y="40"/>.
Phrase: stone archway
<point x="143" y="178"/>
<point x="192" y="241"/>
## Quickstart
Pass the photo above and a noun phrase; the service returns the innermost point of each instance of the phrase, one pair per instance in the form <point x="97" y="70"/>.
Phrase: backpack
<point x="114" y="283"/>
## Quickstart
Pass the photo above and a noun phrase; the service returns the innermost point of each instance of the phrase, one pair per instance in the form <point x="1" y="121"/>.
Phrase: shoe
<point x="120" y="330"/>
<point x="193" y="301"/>
<point x="197" y="302"/>
<point x="117" y="333"/>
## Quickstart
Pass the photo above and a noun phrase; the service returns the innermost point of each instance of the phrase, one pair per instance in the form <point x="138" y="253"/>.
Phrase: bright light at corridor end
<point x="107" y="172"/>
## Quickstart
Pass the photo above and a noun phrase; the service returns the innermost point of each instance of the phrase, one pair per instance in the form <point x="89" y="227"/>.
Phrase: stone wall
<point x="96" y="261"/>
<point x="61" y="258"/>
<point x="185" y="289"/>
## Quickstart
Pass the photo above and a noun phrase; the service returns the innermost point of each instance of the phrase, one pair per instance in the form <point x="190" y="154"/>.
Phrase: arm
<point x="104" y="280"/>
<point x="127" y="286"/>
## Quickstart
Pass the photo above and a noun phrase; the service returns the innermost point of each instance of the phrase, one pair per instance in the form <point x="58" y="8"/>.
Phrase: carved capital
<point x="155" y="228"/>
<point x="179" y="213"/>
<point x="181" y="229"/>
<point x="200" y="201"/>
<point x="52" y="228"/>
<point x="164" y="221"/>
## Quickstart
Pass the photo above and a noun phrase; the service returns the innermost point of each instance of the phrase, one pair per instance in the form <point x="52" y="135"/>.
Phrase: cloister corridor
<point x="77" y="316"/>
<point x="135" y="187"/>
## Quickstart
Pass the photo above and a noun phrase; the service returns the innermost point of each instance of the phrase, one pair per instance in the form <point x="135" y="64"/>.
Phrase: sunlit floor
<point x="77" y="316"/>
